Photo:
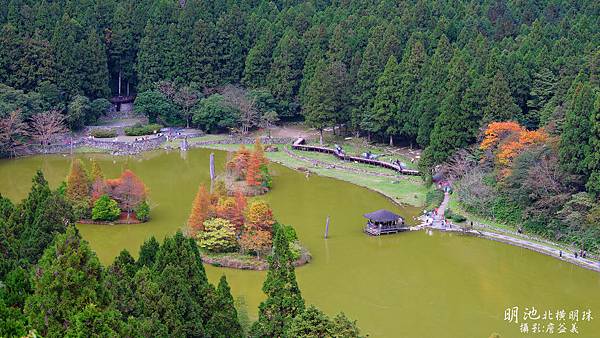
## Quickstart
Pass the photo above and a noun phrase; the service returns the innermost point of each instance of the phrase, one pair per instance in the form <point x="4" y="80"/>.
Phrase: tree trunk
<point x="321" y="136"/>
<point x="391" y="141"/>
<point x="119" y="83"/>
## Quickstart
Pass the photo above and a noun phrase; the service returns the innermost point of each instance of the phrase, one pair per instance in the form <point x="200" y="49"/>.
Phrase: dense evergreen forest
<point x="428" y="73"/>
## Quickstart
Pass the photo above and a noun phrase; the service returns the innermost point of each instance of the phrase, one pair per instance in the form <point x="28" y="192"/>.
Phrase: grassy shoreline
<point x="403" y="190"/>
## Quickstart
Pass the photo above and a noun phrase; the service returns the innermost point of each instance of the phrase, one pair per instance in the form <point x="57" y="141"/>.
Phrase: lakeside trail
<point x="568" y="254"/>
<point x="439" y="223"/>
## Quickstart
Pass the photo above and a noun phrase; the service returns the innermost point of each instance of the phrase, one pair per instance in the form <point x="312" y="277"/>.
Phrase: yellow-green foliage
<point x="218" y="235"/>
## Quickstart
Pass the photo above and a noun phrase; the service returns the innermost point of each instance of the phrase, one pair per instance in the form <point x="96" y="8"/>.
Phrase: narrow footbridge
<point x="300" y="144"/>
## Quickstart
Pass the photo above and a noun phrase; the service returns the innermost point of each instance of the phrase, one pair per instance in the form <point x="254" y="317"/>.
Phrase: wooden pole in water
<point x="212" y="166"/>
<point x="327" y="228"/>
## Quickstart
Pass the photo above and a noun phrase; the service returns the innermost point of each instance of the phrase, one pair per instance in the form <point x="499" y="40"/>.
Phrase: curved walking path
<point x="512" y="239"/>
<point x="329" y="165"/>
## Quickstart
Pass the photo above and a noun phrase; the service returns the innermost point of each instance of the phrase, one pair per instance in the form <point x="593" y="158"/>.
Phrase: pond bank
<point x="247" y="262"/>
<point x="551" y="249"/>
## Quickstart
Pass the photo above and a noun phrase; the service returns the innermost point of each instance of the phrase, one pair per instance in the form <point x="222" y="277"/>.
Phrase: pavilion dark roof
<point x="382" y="216"/>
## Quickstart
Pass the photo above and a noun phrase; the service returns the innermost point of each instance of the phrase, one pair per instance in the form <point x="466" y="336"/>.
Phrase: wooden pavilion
<point x="382" y="222"/>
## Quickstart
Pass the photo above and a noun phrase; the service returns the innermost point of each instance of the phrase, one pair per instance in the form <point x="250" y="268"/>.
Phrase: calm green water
<point x="406" y="285"/>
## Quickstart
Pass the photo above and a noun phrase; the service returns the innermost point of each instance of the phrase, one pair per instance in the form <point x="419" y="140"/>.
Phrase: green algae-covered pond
<point x="414" y="284"/>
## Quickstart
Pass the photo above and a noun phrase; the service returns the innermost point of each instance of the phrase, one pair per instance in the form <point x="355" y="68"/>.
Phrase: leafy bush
<point x="213" y="114"/>
<point x="103" y="133"/>
<point x="105" y="209"/>
<point x="434" y="198"/>
<point x="156" y="107"/>
<point x="140" y="130"/>
<point x="98" y="107"/>
<point x="218" y="236"/>
<point x="142" y="211"/>
<point x="295" y="250"/>
<point x="507" y="211"/>
<point x="458" y="218"/>
<point x="265" y="177"/>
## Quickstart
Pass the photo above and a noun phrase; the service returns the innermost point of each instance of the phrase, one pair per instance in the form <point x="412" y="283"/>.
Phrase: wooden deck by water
<point x="300" y="144"/>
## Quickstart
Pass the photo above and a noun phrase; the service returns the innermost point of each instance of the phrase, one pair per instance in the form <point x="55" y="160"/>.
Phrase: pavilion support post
<point x="327" y="227"/>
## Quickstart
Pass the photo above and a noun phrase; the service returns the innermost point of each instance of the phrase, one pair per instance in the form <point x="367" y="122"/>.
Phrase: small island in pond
<point x="232" y="231"/>
<point x="247" y="171"/>
<point x="97" y="200"/>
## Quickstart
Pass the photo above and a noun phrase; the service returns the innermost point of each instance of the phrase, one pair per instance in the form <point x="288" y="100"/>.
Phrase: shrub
<point x="142" y="212"/>
<point x="140" y="129"/>
<point x="105" y="209"/>
<point x="103" y="133"/>
<point x="218" y="235"/>
<point x="458" y="218"/>
<point x="434" y="198"/>
<point x="507" y="211"/>
<point x="265" y="177"/>
<point x="295" y="250"/>
<point x="156" y="107"/>
<point x="213" y="114"/>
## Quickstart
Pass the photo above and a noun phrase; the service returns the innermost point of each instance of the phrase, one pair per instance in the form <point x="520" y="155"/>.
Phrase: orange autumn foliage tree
<point x="130" y="191"/>
<point x="255" y="240"/>
<point x="99" y="186"/>
<point x="498" y="131"/>
<point x="228" y="209"/>
<point x="239" y="163"/>
<point x="509" y="150"/>
<point x="78" y="184"/>
<point x="246" y="164"/>
<point x="200" y="210"/>
<point x="253" y="175"/>
<point x="260" y="216"/>
<point x="506" y="140"/>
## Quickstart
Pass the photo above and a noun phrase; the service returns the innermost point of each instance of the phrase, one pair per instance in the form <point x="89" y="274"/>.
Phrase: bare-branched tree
<point x="12" y="133"/>
<point x="268" y="121"/>
<point x="46" y="126"/>
<point x="239" y="99"/>
<point x="186" y="98"/>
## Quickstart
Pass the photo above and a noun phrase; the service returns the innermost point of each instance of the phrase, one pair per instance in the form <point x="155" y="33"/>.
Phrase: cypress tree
<point x="203" y="57"/>
<point x="432" y="90"/>
<point x="68" y="54"/>
<point x="284" y="301"/>
<point x="123" y="47"/>
<point x="319" y="108"/>
<point x="574" y="148"/>
<point x="542" y="90"/>
<point x="78" y="183"/>
<point x="411" y="70"/>
<point x="224" y="321"/>
<point x="231" y="46"/>
<point x="68" y="278"/>
<point x="258" y="62"/>
<point x="593" y="160"/>
<point x="148" y="252"/>
<point x="382" y="119"/>
<point x="455" y="126"/>
<point x="500" y="105"/>
<point x="286" y="70"/>
<point x="120" y="282"/>
<point x="95" y="67"/>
